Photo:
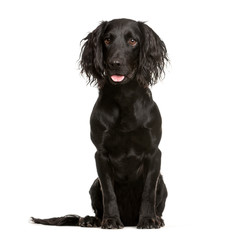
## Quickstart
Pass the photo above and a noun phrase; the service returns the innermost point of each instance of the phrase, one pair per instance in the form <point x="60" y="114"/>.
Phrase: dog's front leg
<point x="111" y="217"/>
<point x="147" y="215"/>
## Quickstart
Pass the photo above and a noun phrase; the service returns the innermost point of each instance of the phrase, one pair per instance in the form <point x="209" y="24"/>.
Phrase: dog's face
<point x="123" y="50"/>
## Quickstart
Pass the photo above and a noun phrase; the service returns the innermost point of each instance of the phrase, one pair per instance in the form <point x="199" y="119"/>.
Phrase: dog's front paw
<point x="111" y="223"/>
<point x="149" y="223"/>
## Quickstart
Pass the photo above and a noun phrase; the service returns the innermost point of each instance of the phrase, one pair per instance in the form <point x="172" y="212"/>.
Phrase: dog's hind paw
<point x="89" y="222"/>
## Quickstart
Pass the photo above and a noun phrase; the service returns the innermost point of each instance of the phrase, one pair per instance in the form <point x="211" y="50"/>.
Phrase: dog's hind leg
<point x="97" y="199"/>
<point x="161" y="198"/>
<point x="97" y="205"/>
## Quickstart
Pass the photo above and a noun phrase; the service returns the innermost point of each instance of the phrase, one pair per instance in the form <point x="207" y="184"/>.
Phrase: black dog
<point x="124" y="57"/>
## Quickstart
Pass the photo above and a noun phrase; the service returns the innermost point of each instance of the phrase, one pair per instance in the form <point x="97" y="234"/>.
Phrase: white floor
<point x="180" y="232"/>
<point x="25" y="230"/>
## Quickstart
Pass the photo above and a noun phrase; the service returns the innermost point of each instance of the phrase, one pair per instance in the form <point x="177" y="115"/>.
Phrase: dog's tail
<point x="69" y="220"/>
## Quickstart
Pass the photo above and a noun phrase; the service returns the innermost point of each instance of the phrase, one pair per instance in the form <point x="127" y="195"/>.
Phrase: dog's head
<point x="123" y="50"/>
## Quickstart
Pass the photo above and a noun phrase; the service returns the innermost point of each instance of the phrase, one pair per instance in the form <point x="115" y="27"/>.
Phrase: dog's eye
<point x="107" y="41"/>
<point x="132" y="42"/>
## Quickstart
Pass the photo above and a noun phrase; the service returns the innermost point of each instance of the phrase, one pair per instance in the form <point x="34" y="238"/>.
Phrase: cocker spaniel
<point x="123" y="58"/>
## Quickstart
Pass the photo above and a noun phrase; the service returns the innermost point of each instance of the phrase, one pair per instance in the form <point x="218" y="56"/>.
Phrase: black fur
<point x="124" y="57"/>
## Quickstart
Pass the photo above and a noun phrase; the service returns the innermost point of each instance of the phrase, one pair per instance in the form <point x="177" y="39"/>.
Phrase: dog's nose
<point x="116" y="63"/>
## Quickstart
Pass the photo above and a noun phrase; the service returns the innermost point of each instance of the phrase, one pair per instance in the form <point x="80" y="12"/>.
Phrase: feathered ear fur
<point x="92" y="56"/>
<point x="153" y="57"/>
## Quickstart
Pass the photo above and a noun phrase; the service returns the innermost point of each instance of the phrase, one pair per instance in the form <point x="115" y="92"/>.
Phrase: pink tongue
<point x="117" y="78"/>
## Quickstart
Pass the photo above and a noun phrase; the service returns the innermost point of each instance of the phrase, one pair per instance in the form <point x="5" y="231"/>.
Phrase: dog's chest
<point x="126" y="151"/>
<point x="136" y="141"/>
<point x="129" y="130"/>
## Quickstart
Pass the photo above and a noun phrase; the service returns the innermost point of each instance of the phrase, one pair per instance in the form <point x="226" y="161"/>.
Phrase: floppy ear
<point x="153" y="56"/>
<point x="92" y="56"/>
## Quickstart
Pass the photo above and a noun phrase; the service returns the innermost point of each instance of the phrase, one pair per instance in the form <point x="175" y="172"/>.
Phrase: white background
<point x="46" y="156"/>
